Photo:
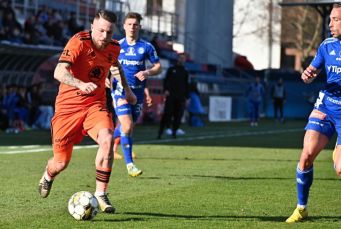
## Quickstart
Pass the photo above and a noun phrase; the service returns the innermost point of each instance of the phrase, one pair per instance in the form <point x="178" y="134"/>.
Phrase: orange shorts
<point x="69" y="129"/>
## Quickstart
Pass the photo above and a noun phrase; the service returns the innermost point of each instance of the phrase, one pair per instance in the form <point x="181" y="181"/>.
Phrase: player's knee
<point x="306" y="161"/>
<point x="105" y="142"/>
<point x="127" y="128"/>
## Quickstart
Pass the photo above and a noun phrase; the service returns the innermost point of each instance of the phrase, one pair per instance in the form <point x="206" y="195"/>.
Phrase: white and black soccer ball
<point x="83" y="205"/>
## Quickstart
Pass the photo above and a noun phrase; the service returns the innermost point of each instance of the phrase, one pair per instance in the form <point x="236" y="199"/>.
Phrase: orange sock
<point x="117" y="140"/>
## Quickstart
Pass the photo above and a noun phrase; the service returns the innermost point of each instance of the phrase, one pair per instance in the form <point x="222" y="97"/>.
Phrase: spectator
<point x="31" y="34"/>
<point x="195" y="108"/>
<point x="43" y="14"/>
<point x="278" y="94"/>
<point x="255" y="93"/>
<point x="176" y="91"/>
<point x="10" y="101"/>
<point x="33" y="101"/>
<point x="3" y="112"/>
<point x="73" y="25"/>
<point x="21" y="109"/>
<point x="11" y="28"/>
<point x="44" y="112"/>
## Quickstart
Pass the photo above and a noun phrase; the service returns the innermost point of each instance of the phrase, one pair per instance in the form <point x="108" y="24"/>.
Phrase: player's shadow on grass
<point x="251" y="178"/>
<point x="229" y="217"/>
<point x="209" y="217"/>
<point x="220" y="159"/>
<point x="113" y="219"/>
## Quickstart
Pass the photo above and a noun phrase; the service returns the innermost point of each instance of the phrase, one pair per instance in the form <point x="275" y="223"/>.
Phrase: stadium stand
<point x="30" y="57"/>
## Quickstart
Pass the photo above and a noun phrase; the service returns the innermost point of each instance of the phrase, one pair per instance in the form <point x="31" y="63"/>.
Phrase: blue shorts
<point x="326" y="116"/>
<point x="128" y="109"/>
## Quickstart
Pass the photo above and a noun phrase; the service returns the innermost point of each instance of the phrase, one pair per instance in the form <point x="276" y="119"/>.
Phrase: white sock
<point x="301" y="206"/>
<point x="97" y="193"/>
<point x="129" y="165"/>
<point x="47" y="177"/>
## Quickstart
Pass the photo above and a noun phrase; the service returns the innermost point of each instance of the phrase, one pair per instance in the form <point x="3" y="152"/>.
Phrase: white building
<point x="202" y="27"/>
<point x="257" y="32"/>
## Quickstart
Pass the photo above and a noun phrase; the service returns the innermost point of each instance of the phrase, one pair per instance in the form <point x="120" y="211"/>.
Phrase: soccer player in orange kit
<point x="80" y="109"/>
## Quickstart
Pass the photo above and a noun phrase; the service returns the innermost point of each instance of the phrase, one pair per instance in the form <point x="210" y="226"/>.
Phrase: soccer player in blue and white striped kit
<point x="325" y="119"/>
<point x="133" y="55"/>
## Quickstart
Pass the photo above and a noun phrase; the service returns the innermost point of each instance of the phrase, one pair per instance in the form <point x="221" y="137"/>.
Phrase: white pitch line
<point x="202" y="137"/>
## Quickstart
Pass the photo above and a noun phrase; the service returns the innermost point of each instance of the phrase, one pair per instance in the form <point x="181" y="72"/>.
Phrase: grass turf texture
<point x="242" y="178"/>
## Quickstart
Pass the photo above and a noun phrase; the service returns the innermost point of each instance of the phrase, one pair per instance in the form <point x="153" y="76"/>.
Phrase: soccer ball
<point x="83" y="206"/>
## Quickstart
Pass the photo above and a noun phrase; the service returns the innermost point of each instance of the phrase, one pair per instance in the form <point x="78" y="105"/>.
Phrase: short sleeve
<point x="152" y="54"/>
<point x="71" y="51"/>
<point x="318" y="60"/>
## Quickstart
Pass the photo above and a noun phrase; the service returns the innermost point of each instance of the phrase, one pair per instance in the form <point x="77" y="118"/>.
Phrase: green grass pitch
<point x="224" y="175"/>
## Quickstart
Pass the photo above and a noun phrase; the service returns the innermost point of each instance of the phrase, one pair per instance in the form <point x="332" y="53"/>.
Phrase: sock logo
<point x="299" y="181"/>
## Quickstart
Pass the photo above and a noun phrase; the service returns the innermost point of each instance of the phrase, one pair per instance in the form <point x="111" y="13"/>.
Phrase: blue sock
<point x="127" y="145"/>
<point x="304" y="180"/>
<point x="117" y="132"/>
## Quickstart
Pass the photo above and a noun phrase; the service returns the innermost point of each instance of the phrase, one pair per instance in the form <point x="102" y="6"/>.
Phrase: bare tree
<point x="301" y="30"/>
<point x="256" y="11"/>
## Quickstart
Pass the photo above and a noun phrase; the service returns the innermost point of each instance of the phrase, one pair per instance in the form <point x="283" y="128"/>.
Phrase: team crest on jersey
<point x="96" y="73"/>
<point x="140" y="50"/>
<point x="130" y="51"/>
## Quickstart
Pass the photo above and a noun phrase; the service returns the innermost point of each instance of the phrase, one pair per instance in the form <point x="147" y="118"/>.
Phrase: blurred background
<point x="227" y="44"/>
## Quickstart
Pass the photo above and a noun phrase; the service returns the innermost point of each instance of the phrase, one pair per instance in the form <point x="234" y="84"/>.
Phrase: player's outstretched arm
<point x="309" y="74"/>
<point x="63" y="75"/>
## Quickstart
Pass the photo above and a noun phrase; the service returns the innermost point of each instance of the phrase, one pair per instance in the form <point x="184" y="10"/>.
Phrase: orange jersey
<point x="88" y="64"/>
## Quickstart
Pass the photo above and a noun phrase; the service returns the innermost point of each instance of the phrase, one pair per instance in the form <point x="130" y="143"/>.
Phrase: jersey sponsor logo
<point x="130" y="62"/>
<point x="130" y="52"/>
<point x="79" y="93"/>
<point x="317" y="114"/>
<point x="335" y="101"/>
<point x="315" y="123"/>
<point x="66" y="52"/>
<point x="122" y="109"/>
<point x="334" y="69"/>
<point x="96" y="73"/>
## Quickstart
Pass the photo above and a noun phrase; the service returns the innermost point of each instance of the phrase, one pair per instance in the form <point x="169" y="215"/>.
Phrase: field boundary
<point x="41" y="148"/>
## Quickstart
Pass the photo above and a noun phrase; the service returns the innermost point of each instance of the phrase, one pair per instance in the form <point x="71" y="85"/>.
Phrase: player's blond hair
<point x="107" y="15"/>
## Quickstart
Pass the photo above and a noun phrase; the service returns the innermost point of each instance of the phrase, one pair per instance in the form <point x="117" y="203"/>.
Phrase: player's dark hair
<point x="107" y="15"/>
<point x="337" y="5"/>
<point x="134" y="15"/>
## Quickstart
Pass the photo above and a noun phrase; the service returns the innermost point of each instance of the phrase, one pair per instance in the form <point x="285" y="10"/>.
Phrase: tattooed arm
<point x="63" y="75"/>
